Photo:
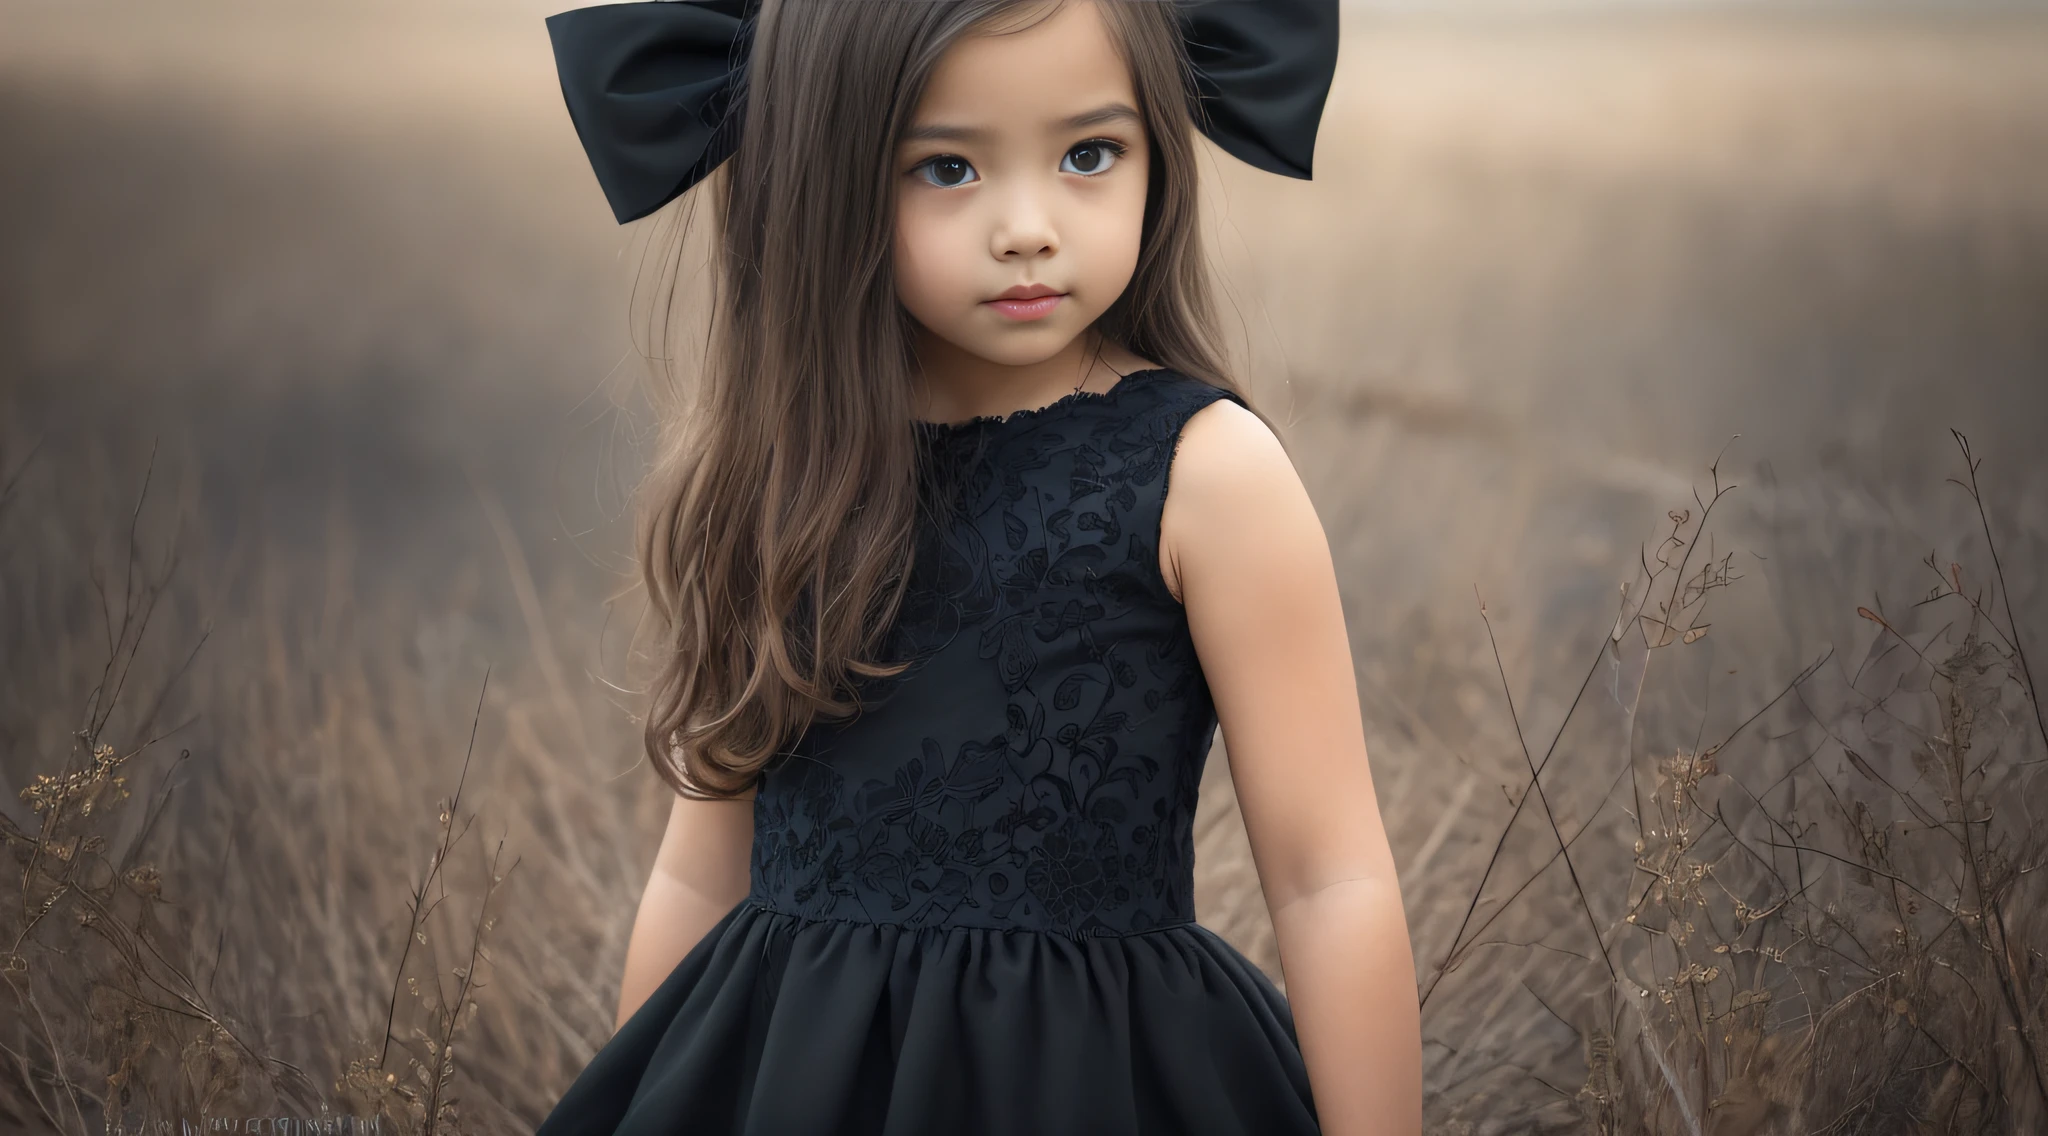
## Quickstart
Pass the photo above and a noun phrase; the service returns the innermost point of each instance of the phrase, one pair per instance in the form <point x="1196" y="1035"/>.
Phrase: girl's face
<point x="1024" y="165"/>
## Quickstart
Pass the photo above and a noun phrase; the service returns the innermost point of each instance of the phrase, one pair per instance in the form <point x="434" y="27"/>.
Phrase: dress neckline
<point x="1030" y="414"/>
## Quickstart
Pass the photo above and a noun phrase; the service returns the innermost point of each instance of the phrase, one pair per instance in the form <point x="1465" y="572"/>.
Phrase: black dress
<point x="972" y="908"/>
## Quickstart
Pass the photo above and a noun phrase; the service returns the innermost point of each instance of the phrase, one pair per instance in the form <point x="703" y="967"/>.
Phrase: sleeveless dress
<point x="972" y="903"/>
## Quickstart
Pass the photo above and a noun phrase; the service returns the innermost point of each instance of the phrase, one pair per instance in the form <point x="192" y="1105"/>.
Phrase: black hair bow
<point x="649" y="85"/>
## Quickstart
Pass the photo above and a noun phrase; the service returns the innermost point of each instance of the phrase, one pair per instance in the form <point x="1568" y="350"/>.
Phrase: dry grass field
<point x="319" y="419"/>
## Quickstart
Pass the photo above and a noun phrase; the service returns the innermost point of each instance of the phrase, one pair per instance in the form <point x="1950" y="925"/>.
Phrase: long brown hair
<point x="777" y="525"/>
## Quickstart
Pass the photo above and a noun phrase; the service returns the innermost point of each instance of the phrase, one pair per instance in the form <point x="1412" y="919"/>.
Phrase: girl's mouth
<point x="1035" y="308"/>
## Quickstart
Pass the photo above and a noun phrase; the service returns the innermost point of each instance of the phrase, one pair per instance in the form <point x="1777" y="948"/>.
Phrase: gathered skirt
<point x="778" y="1025"/>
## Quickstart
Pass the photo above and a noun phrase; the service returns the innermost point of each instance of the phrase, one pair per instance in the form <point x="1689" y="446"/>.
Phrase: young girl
<point x="942" y="658"/>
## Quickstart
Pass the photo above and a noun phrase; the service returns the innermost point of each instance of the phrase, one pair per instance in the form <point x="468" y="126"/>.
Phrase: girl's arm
<point x="699" y="874"/>
<point x="1254" y="571"/>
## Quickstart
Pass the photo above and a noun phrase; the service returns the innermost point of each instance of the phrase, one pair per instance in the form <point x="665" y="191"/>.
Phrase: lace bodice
<point x="1036" y="768"/>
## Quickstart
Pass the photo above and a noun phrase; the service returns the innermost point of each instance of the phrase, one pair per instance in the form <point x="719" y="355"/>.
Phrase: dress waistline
<point x="766" y="904"/>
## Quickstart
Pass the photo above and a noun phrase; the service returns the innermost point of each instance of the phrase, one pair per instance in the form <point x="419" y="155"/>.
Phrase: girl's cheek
<point x="923" y="271"/>
<point x="907" y="248"/>
<point x="1102" y="239"/>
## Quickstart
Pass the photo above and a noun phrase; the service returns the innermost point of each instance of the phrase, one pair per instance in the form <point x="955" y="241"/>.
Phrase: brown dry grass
<point x="121" y="1017"/>
<point x="1831" y="918"/>
<point x="247" y="874"/>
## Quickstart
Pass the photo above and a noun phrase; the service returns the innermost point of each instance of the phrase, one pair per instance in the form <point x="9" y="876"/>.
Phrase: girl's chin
<point x="1009" y="343"/>
<point x="1019" y="343"/>
<point x="1018" y="353"/>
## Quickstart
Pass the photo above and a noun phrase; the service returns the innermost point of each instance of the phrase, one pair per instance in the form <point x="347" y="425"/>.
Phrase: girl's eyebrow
<point x="1108" y="112"/>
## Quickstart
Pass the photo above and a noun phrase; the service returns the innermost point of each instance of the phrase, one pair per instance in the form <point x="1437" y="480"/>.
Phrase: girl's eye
<point x="946" y="170"/>
<point x="1091" y="157"/>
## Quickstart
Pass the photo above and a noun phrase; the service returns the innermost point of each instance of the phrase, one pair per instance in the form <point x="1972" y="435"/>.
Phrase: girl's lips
<point x="1035" y="308"/>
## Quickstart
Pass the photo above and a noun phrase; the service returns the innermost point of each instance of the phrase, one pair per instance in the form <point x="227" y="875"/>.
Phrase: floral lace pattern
<point x="1037" y="766"/>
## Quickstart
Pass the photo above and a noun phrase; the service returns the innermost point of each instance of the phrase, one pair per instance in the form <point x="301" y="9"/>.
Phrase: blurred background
<point x="337" y="280"/>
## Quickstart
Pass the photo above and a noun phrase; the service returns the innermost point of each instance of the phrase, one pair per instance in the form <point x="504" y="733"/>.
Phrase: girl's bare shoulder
<point x="1228" y="469"/>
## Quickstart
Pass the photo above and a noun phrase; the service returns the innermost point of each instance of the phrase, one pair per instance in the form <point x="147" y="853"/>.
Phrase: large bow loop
<point x="649" y="88"/>
<point x="1262" y="72"/>
<point x="653" y="87"/>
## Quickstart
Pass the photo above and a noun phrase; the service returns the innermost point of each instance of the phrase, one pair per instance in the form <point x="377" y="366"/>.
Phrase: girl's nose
<point x="1024" y="227"/>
